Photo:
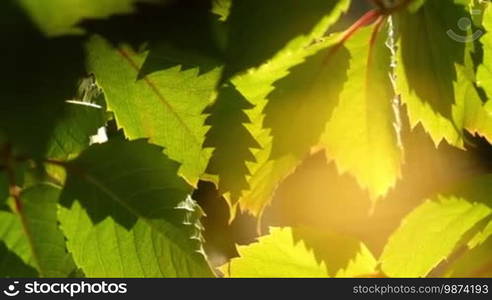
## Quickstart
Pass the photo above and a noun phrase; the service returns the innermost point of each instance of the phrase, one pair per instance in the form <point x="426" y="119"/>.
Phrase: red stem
<point x="365" y="20"/>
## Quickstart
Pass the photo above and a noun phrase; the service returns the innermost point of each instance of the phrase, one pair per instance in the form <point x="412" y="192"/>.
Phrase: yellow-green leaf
<point x="363" y="135"/>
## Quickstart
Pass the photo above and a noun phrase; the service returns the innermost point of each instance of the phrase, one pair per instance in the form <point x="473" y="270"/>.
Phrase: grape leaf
<point x="431" y="45"/>
<point x="482" y="117"/>
<point x="475" y="262"/>
<point x="343" y="255"/>
<point x="33" y="233"/>
<point x="165" y="106"/>
<point x="475" y="259"/>
<point x="430" y="233"/>
<point x="47" y="14"/>
<point x="227" y="112"/>
<point x="477" y="116"/>
<point x="363" y="264"/>
<point x="481" y="236"/>
<point x="477" y="190"/>
<point x="127" y="214"/>
<point x="283" y="254"/>
<point x="302" y="102"/>
<point x="363" y="135"/>
<point x="484" y="73"/>
<point x="260" y="28"/>
<point x="167" y="77"/>
<point x="256" y="85"/>
<point x="275" y="255"/>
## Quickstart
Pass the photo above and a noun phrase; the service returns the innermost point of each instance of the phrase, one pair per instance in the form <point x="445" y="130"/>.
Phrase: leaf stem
<point x="9" y="160"/>
<point x="365" y="20"/>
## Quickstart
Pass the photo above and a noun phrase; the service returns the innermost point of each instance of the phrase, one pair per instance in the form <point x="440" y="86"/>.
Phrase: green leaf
<point x="474" y="262"/>
<point x="484" y="73"/>
<point x="343" y="255"/>
<point x="431" y="46"/>
<point x="362" y="265"/>
<point x="475" y="259"/>
<point x="33" y="233"/>
<point x="482" y="117"/>
<point x="275" y="255"/>
<point x="363" y="135"/>
<point x="256" y="85"/>
<point x="46" y="14"/>
<point x="264" y="180"/>
<point x="477" y="117"/>
<point x="302" y="102"/>
<point x="261" y="28"/>
<point x="481" y="236"/>
<point x="83" y="117"/>
<point x="127" y="214"/>
<point x="429" y="234"/>
<point x="231" y="141"/>
<point x="284" y="253"/>
<point x="165" y="106"/>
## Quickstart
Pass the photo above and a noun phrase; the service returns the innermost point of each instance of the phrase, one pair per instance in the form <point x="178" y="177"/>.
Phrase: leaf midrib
<point x="95" y="182"/>
<point x="153" y="87"/>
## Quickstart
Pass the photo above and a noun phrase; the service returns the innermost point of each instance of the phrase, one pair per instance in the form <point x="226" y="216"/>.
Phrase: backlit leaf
<point x="430" y="233"/>
<point x="33" y="233"/>
<point x="275" y="255"/>
<point x="363" y="135"/>
<point x="256" y="85"/>
<point x="431" y="46"/>
<point x="127" y="214"/>
<point x="165" y="106"/>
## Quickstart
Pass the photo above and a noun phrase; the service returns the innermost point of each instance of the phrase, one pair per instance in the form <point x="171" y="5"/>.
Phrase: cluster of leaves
<point x="238" y="93"/>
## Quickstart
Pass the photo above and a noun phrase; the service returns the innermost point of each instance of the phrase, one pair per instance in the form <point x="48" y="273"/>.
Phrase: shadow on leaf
<point x="231" y="139"/>
<point x="303" y="101"/>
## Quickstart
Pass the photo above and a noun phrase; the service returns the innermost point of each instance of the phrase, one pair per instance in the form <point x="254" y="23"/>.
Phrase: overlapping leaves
<point x="131" y="215"/>
<point x="436" y="229"/>
<point x="239" y="92"/>
<point x="280" y="255"/>
<point x="31" y="235"/>
<point x="264" y="174"/>
<point x="435" y="67"/>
